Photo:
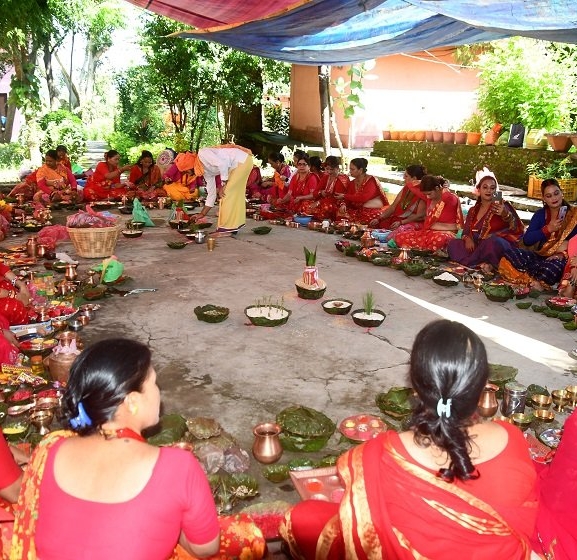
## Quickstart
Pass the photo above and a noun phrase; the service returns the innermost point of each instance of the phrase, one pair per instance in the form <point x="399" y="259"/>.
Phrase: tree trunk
<point x="74" y="94"/>
<point x="324" y="77"/>
<point x="337" y="136"/>
<point x="52" y="91"/>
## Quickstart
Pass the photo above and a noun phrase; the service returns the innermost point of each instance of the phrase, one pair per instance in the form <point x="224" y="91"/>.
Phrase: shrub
<point x="62" y="127"/>
<point x="277" y="119"/>
<point x="12" y="155"/>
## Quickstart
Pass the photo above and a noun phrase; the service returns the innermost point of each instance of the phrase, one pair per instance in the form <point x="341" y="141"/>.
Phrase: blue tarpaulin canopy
<point x="345" y="31"/>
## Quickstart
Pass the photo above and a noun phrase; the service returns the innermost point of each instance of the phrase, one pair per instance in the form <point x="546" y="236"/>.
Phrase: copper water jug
<point x="488" y="404"/>
<point x="266" y="447"/>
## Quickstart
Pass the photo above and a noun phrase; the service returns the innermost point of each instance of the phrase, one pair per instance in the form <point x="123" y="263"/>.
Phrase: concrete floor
<point x="242" y="375"/>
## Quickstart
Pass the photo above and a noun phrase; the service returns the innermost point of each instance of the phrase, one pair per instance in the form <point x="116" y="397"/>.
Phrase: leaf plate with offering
<point x="446" y="279"/>
<point x="559" y="303"/>
<point x="362" y="427"/>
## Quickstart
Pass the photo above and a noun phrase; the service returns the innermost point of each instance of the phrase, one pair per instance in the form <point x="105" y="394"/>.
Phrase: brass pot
<point x="267" y="447"/>
<point x="59" y="366"/>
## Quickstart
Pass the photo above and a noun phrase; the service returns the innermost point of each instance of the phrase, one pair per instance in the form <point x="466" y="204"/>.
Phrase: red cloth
<point x="98" y="187"/>
<point x="406" y="204"/>
<point x="177" y="497"/>
<point x="301" y="186"/>
<point x="356" y="197"/>
<point x="9" y="470"/>
<point x="557" y="516"/>
<point x="447" y="210"/>
<point x="395" y="508"/>
<point x="327" y="205"/>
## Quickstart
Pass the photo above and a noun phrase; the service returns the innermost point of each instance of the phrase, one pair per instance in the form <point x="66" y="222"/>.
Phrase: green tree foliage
<point x="140" y="106"/>
<point x="195" y="78"/>
<point x="62" y="127"/>
<point x="523" y="82"/>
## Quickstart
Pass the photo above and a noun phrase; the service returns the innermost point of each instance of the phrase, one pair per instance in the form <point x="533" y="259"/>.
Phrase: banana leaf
<point x="535" y="390"/>
<point x="293" y="442"/>
<point x="396" y="402"/>
<point x="171" y="429"/>
<point x="305" y="422"/>
<point x="500" y="375"/>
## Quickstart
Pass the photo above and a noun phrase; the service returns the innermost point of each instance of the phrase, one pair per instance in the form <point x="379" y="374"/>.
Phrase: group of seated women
<point x="452" y="485"/>
<point x="52" y="182"/>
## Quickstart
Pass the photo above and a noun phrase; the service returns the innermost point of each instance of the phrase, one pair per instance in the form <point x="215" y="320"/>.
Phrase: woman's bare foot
<point x="537" y="286"/>
<point x="486" y="268"/>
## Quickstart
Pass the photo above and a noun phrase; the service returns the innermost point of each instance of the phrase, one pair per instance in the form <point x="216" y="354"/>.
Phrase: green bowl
<point x="523" y="304"/>
<point x="276" y="473"/>
<point x="59" y="266"/>
<point x="176" y="244"/>
<point x="261" y="230"/>
<point x="211" y="313"/>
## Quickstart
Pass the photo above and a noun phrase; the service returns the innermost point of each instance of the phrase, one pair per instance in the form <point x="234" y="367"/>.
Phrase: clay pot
<point x="559" y="142"/>
<point x="473" y="138"/>
<point x="437" y="136"/>
<point x="460" y="137"/>
<point x="394" y="134"/>
<point x="420" y="136"/>
<point x="490" y="138"/>
<point x="410" y="135"/>
<point x="448" y="137"/>
<point x="429" y="135"/>
<point x="402" y="134"/>
<point x="386" y="135"/>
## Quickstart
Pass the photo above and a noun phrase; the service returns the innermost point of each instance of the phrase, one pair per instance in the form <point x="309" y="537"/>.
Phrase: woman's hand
<point x="554" y="225"/>
<point x="396" y="224"/>
<point x="10" y="337"/>
<point x="469" y="244"/>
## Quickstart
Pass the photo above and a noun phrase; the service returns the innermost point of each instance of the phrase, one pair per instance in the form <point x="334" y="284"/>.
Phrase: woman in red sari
<point x="444" y="218"/>
<point x="450" y="487"/>
<point x="146" y="177"/>
<point x="105" y="182"/>
<point x="301" y="190"/>
<point x="364" y="199"/>
<point x="407" y="211"/>
<point x="332" y="182"/>
<point x="55" y="181"/>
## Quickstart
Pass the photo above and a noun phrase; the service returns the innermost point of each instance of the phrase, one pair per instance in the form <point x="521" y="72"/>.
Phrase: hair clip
<point x="82" y="420"/>
<point x="443" y="408"/>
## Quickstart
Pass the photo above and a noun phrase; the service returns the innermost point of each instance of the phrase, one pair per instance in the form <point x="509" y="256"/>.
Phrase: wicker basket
<point x="568" y="186"/>
<point x="94" y="243"/>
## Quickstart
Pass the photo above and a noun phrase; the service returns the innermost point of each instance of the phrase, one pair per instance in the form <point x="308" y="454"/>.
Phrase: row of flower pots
<point x="562" y="141"/>
<point x="470" y="138"/>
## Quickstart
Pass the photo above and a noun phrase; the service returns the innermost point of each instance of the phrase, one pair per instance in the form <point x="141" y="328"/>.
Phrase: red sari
<point x="148" y="185"/>
<point x="326" y="205"/>
<point x="98" y="187"/>
<point x="356" y="197"/>
<point x="393" y="508"/>
<point x="409" y="198"/>
<point x="301" y="186"/>
<point x="447" y="210"/>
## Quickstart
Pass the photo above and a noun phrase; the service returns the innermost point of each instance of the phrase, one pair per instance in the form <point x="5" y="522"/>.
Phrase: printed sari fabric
<point x="301" y="186"/>
<point x="408" y="203"/>
<point x="65" y="191"/>
<point x="556" y="530"/>
<point x="240" y="537"/>
<point x="491" y="234"/>
<point x="394" y="508"/>
<point x="447" y="210"/>
<point x="363" y="203"/>
<point x="546" y="263"/>
<point x="326" y="205"/>
<point x="98" y="187"/>
<point x="148" y="185"/>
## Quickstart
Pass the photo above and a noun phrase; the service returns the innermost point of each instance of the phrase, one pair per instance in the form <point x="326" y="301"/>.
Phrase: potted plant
<point x="562" y="169"/>
<point x="449" y="137"/>
<point x="310" y="286"/>
<point x="265" y="313"/>
<point x="473" y="126"/>
<point x="368" y="316"/>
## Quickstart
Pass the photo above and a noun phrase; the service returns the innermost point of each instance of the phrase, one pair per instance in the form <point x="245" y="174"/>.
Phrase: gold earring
<point x="134" y="410"/>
